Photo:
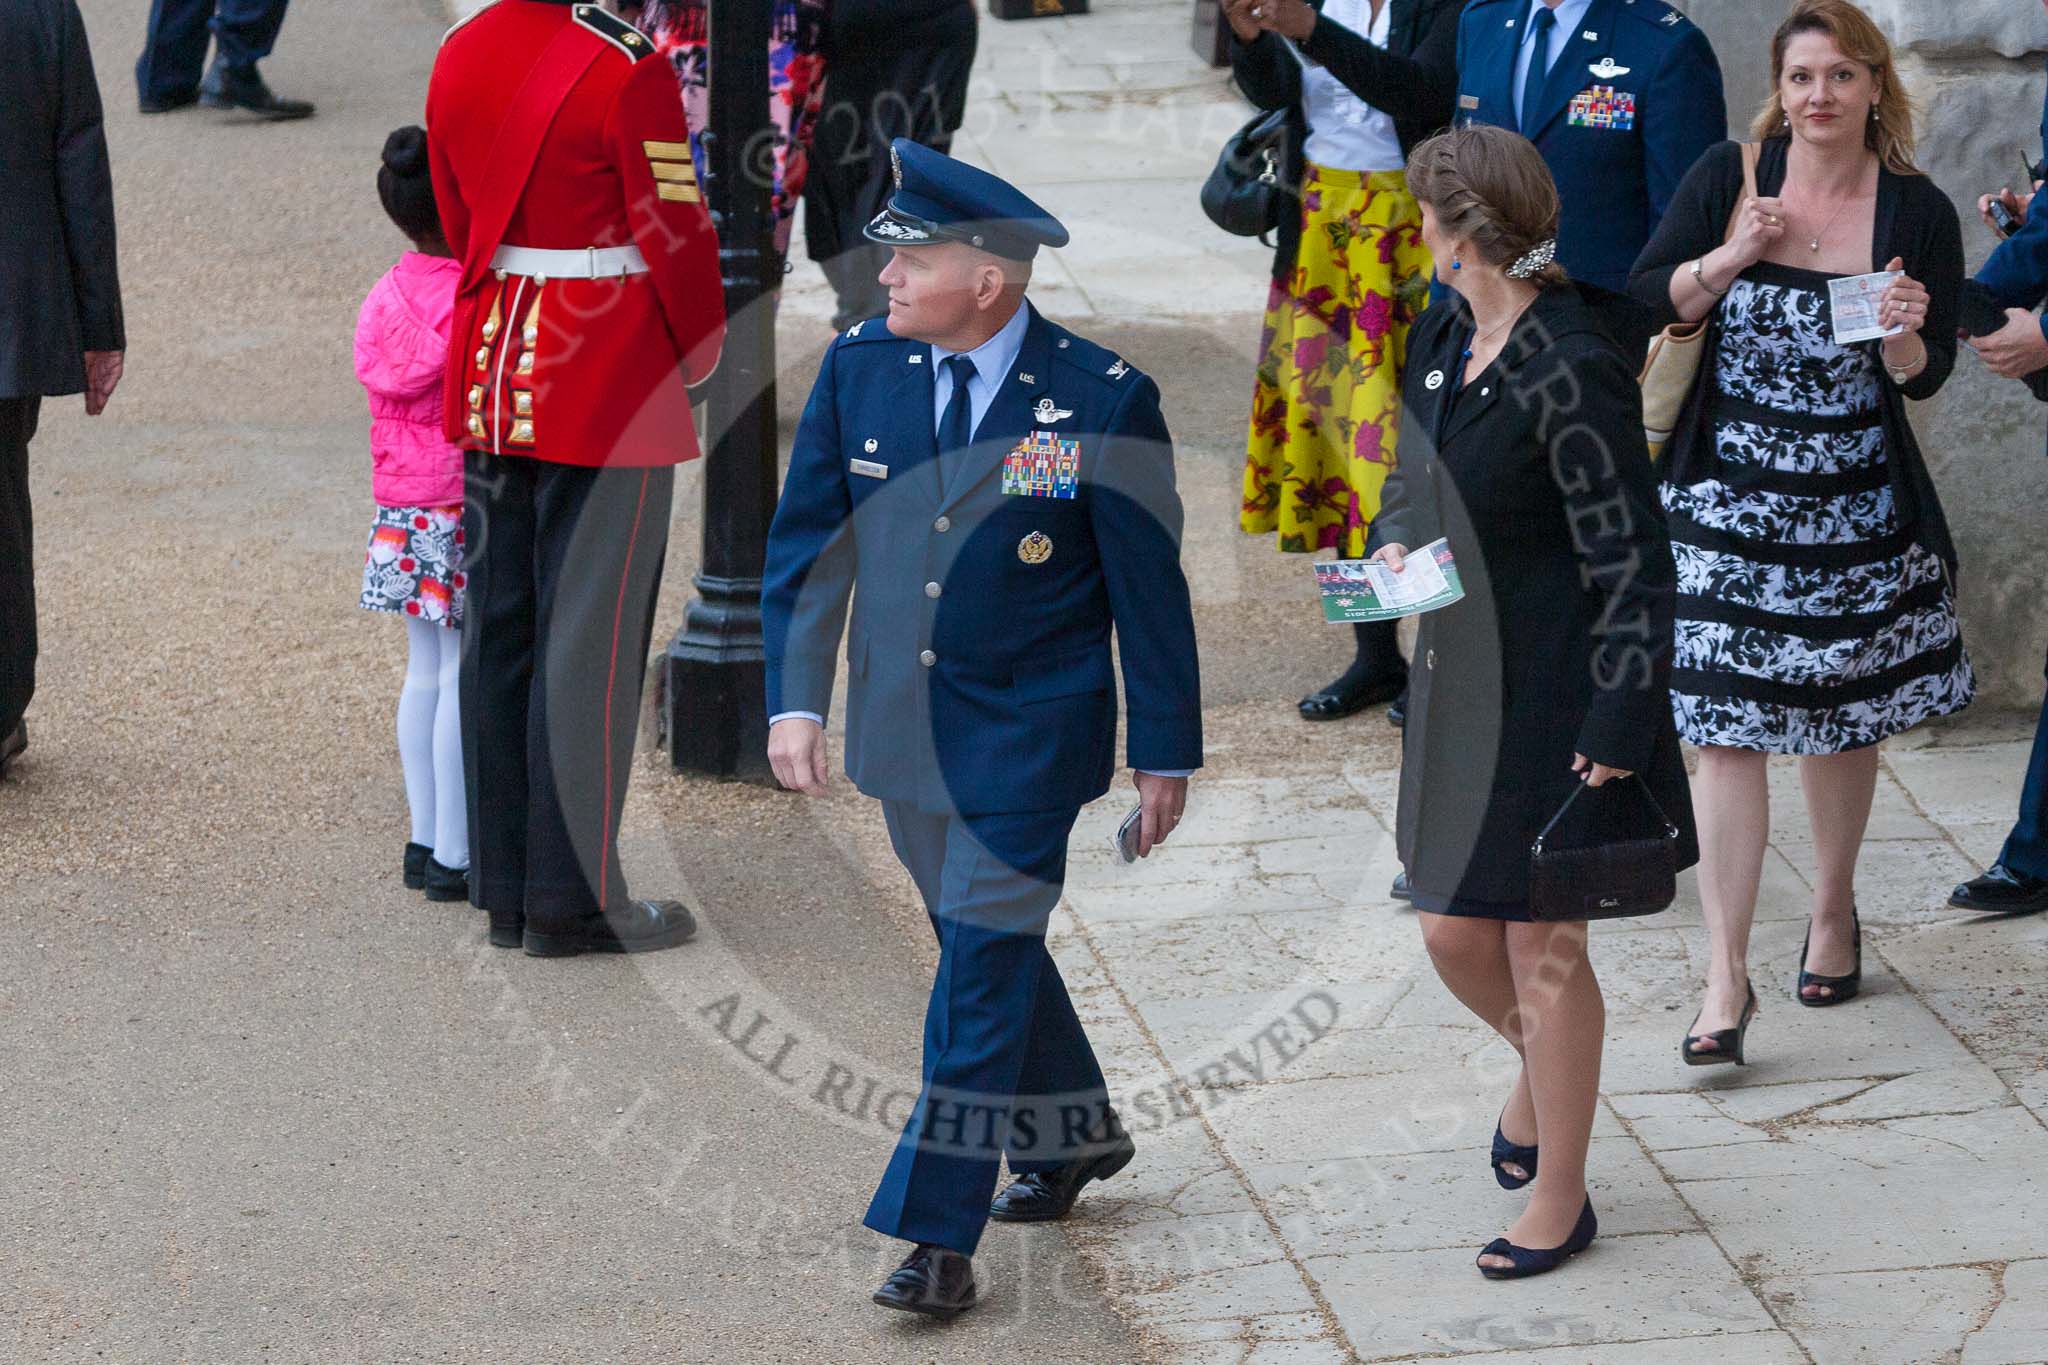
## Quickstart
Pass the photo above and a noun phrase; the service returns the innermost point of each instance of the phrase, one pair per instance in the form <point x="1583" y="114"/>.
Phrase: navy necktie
<point x="956" y="427"/>
<point x="1544" y="20"/>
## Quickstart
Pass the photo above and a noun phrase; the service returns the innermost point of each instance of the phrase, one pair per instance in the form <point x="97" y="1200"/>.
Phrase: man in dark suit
<point x="1620" y="96"/>
<point x="60" y="295"/>
<point x="995" y="496"/>
<point x="244" y="31"/>
<point x="2017" y="276"/>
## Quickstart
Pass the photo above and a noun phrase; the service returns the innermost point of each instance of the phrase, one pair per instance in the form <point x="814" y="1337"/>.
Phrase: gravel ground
<point x="266" y="1105"/>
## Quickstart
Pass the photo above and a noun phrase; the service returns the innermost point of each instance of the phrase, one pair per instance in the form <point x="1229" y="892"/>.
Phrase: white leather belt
<point x="588" y="263"/>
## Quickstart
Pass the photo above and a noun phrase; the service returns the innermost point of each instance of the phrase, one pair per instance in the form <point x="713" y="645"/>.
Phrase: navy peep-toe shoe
<point x="1540" y="1260"/>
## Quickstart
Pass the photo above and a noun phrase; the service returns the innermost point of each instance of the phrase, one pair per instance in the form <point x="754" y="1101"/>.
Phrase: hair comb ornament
<point x="1533" y="260"/>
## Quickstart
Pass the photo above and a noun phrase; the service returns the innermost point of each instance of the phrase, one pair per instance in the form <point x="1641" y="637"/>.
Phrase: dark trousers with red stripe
<point x="562" y="563"/>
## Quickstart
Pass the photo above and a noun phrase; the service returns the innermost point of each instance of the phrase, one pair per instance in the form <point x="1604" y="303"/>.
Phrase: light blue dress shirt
<point x="1570" y="14"/>
<point x="992" y="360"/>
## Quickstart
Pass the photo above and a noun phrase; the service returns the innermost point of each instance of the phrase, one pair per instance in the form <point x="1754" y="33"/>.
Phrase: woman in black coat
<point x="1362" y="82"/>
<point x="1528" y="455"/>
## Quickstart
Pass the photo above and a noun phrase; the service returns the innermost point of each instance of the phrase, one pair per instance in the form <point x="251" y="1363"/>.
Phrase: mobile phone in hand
<point x="2004" y="219"/>
<point x="1126" y="837"/>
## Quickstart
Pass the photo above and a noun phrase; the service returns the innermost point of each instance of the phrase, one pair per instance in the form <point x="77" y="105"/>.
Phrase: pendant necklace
<point x="1494" y="331"/>
<point x="1813" y="242"/>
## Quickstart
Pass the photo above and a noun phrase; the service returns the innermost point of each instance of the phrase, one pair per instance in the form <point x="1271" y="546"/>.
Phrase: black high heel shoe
<point x="1841" y="989"/>
<point x="1727" y="1042"/>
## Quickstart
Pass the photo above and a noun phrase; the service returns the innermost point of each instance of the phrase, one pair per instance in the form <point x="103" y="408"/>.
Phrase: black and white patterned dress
<point x="1808" y="621"/>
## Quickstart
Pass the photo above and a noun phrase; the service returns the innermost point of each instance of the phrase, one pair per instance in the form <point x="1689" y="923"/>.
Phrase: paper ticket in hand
<point x="1854" y="301"/>
<point x="1367" y="590"/>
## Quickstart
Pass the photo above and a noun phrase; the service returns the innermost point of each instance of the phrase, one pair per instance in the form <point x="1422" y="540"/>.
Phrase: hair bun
<point x="405" y="152"/>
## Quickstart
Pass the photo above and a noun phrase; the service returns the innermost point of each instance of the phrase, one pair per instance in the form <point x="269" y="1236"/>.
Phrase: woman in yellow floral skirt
<point x="1349" y="276"/>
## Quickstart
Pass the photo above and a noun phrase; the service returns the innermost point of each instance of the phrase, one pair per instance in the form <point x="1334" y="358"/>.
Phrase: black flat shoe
<point x="1341" y="699"/>
<point x="1045" y="1196"/>
<point x="638" y="927"/>
<point x="1840" y="989"/>
<point x="1727" y="1042"/>
<point x="2002" y="891"/>
<point x="13" y="746"/>
<point x="165" y="104"/>
<point x="1402" y="889"/>
<point x="1539" y="1260"/>
<point x="416" y="856"/>
<point x="507" y="931"/>
<point x="933" y="1281"/>
<point x="446" y="883"/>
<point x="227" y="88"/>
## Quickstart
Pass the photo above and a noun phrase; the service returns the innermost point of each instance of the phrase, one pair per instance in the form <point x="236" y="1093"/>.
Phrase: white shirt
<point x="1569" y="15"/>
<point x="1344" y="132"/>
<point x="992" y="360"/>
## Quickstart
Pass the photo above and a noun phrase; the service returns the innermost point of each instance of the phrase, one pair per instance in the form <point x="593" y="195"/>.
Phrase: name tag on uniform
<point x="1043" y="465"/>
<point x="1602" y="106"/>
<point x="871" y="469"/>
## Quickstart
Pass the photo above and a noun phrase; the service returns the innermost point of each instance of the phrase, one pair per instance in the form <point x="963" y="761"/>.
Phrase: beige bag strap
<point x="1749" y="156"/>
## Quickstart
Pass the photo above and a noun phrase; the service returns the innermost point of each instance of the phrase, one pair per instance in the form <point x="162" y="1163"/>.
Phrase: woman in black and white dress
<point x="1816" y="608"/>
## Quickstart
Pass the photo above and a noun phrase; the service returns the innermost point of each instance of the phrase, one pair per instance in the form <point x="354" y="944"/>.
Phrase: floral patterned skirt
<point x="414" y="564"/>
<point x="1326" y="404"/>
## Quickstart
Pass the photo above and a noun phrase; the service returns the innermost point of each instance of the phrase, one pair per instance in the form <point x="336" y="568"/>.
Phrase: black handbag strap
<point x="1670" y="830"/>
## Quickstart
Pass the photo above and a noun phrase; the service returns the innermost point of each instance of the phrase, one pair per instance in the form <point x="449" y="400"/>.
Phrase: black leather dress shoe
<point x="12" y="746"/>
<point x="445" y="883"/>
<point x="1397" y="714"/>
<point x="932" y="1280"/>
<point x="637" y="927"/>
<point x="1340" y="699"/>
<point x="1043" y="1196"/>
<point x="1402" y="890"/>
<point x="416" y="856"/>
<point x="164" y="104"/>
<point x="227" y="88"/>
<point x="2002" y="891"/>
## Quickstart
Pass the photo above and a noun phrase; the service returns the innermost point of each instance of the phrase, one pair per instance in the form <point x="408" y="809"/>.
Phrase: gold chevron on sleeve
<point x="666" y="151"/>
<point x="684" y="173"/>
<point x="680" y="194"/>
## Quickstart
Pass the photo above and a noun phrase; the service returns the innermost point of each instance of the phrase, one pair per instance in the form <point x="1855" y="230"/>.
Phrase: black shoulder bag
<point x="1243" y="194"/>
<point x="1604" y="881"/>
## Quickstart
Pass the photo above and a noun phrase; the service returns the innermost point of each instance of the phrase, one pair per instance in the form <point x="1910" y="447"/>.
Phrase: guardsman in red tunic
<point x="590" y="301"/>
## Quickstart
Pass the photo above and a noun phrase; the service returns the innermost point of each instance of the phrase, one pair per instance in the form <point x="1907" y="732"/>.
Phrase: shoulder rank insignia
<point x="1671" y="18"/>
<point x="614" y="30"/>
<point x="854" y="330"/>
<point x="1119" y="370"/>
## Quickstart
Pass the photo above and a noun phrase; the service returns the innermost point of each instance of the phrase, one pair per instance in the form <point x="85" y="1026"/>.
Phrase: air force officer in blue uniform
<point x="1620" y="96"/>
<point x="995" y="495"/>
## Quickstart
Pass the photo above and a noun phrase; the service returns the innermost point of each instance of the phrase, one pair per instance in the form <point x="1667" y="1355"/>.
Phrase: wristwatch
<point x="1700" y="279"/>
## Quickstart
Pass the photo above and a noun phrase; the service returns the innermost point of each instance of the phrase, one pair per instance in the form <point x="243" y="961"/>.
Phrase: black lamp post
<point x="711" y="693"/>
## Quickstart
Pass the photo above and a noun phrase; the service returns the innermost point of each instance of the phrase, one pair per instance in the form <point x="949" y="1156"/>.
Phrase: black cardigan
<point x="1914" y="221"/>
<point x="1414" y="78"/>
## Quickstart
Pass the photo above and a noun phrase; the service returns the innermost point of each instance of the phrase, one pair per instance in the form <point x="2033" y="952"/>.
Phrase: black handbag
<point x="1243" y="194"/>
<point x="1604" y="881"/>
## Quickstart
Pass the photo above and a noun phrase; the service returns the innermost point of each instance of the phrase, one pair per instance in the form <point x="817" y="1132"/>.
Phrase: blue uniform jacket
<point x="2016" y="272"/>
<point x="1633" y="100"/>
<point x="979" y="648"/>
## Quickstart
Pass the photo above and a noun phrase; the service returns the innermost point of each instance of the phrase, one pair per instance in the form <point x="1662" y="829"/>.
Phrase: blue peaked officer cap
<point x="938" y="199"/>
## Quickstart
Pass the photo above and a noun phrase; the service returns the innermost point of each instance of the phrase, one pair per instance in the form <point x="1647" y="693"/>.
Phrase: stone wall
<point x="1975" y="67"/>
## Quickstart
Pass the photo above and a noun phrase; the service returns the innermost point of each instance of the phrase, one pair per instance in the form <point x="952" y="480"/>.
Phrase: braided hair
<point x="1489" y="187"/>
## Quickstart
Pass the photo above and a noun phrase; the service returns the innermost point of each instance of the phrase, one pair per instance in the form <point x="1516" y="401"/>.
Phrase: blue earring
<point x="1457" y="264"/>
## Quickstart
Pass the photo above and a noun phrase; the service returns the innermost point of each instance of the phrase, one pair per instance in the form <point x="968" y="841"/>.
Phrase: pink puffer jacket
<point x="401" y="353"/>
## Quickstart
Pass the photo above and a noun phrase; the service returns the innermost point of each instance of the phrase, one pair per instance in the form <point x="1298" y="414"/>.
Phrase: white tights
<point x="430" y="741"/>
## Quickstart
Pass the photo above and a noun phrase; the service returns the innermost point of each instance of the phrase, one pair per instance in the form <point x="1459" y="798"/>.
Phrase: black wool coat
<point x="1538" y="475"/>
<point x="60" y="294"/>
<point x="1414" y="78"/>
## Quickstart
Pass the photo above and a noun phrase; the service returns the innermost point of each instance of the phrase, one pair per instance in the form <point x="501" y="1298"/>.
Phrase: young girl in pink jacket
<point x="414" y="565"/>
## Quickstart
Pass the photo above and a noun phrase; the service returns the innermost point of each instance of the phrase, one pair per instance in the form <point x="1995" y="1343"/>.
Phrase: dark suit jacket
<point x="60" y="295"/>
<point x="1412" y="78"/>
<point x="1538" y="476"/>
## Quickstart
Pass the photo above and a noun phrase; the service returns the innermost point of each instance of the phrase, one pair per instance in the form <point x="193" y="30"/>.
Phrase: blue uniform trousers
<point x="174" y="53"/>
<point x="2026" y="848"/>
<point x="1007" y="1068"/>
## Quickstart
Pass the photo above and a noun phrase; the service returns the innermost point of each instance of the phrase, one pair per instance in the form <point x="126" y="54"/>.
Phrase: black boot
<point x="1376" y="675"/>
